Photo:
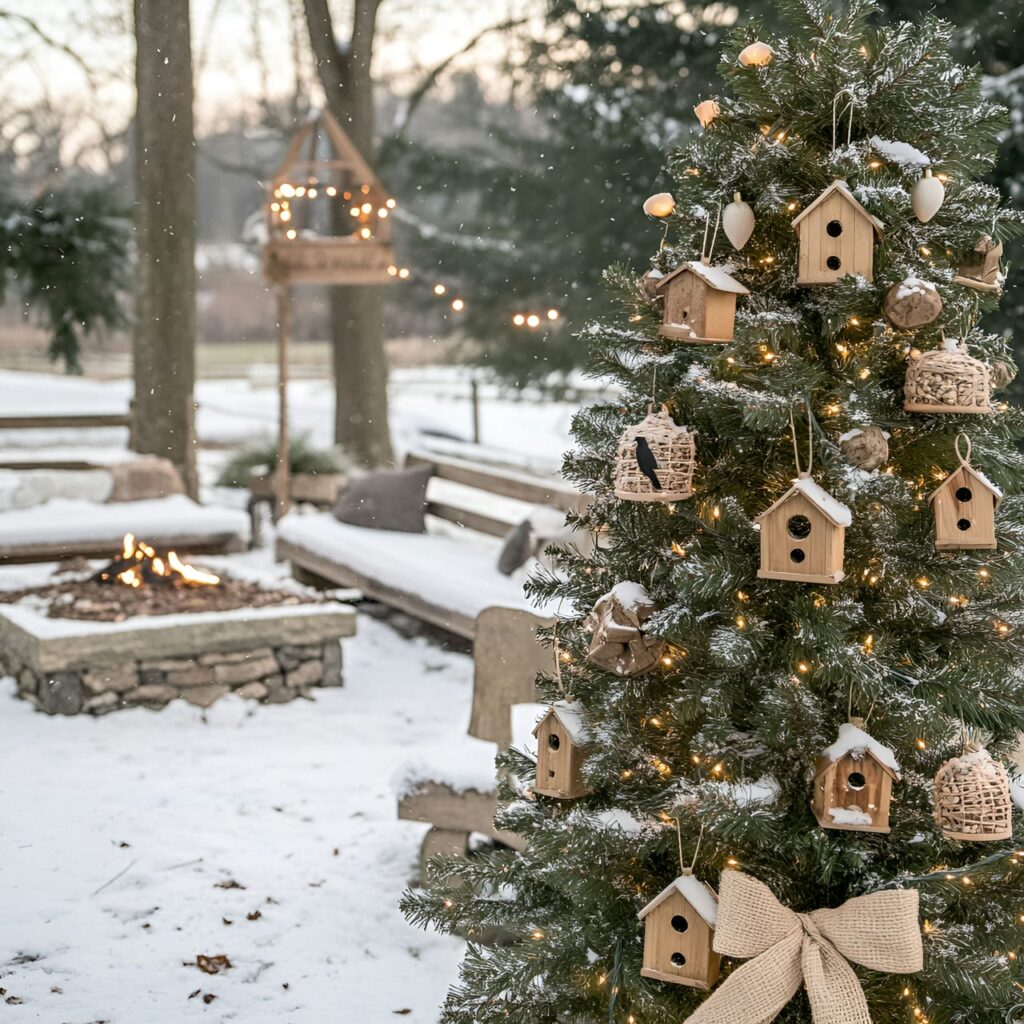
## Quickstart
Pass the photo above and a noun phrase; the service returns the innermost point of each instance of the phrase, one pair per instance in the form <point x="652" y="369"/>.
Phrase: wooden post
<point x="474" y="398"/>
<point x="281" y="474"/>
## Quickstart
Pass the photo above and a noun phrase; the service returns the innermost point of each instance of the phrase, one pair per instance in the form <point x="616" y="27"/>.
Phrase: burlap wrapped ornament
<point x="865" y="447"/>
<point x="619" y="643"/>
<point x="785" y="950"/>
<point x="912" y="303"/>
<point x="972" y="798"/>
<point x="1003" y="373"/>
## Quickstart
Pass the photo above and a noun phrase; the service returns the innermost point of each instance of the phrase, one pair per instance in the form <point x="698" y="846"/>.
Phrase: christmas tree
<point x="807" y="605"/>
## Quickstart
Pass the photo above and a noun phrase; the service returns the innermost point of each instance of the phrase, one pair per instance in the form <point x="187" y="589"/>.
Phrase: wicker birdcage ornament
<point x="972" y="798"/>
<point x="655" y="459"/>
<point x="947" y="380"/>
<point x="619" y="642"/>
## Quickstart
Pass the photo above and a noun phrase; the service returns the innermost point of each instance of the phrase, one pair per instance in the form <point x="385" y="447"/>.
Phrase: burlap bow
<point x="879" y="931"/>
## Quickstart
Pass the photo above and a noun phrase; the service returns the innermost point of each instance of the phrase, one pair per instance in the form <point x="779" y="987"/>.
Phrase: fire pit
<point x="149" y="628"/>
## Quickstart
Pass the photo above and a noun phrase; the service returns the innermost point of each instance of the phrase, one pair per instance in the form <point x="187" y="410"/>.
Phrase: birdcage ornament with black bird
<point x="655" y="459"/>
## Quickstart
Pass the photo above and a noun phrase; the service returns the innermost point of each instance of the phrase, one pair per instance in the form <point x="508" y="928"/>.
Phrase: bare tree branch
<point x="44" y="37"/>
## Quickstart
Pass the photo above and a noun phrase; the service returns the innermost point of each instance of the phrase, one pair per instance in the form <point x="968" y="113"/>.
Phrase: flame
<point x="169" y="567"/>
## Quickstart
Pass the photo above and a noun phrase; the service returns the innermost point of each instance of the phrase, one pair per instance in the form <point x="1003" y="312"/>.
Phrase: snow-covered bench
<point x="63" y="528"/>
<point x="448" y="575"/>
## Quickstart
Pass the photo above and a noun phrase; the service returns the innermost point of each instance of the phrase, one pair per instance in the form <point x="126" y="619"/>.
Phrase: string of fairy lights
<point x="368" y="210"/>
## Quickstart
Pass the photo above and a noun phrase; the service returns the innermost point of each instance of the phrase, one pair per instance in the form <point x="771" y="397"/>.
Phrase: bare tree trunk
<point x="165" y="224"/>
<point x="357" y="330"/>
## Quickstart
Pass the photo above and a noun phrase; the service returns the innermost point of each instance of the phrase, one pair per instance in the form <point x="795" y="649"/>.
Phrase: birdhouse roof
<point x="997" y="494"/>
<point x="839" y="186"/>
<point x="854" y="740"/>
<point x="570" y="716"/>
<point x="835" y="511"/>
<point x="715" y="277"/>
<point x="701" y="897"/>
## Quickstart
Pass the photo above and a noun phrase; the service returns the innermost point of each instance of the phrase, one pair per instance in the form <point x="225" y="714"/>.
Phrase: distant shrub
<point x="258" y="459"/>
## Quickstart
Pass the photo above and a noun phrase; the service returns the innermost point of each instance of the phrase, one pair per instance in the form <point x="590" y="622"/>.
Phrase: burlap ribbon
<point x="619" y="643"/>
<point x="879" y="931"/>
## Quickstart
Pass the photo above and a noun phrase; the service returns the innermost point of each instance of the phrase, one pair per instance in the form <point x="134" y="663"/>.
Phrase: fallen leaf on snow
<point x="210" y="964"/>
<point x="228" y="883"/>
<point x="254" y="916"/>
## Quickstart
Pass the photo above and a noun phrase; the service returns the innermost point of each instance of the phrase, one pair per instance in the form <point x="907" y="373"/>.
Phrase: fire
<point x="139" y="564"/>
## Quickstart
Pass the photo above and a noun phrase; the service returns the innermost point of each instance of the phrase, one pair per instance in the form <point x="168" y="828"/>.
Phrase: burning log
<point x="139" y="565"/>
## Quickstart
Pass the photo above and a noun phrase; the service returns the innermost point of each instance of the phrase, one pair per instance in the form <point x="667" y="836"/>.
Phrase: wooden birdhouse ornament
<point x="972" y="798"/>
<point x="853" y="782"/>
<point x="655" y="460"/>
<point x="679" y="934"/>
<point x="803" y="534"/>
<point x="981" y="270"/>
<point x="561" y="734"/>
<point x="700" y="304"/>
<point x="965" y="506"/>
<point x="837" y="237"/>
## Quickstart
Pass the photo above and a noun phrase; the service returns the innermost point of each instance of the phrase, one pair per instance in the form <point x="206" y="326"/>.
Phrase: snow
<point x="74" y="521"/>
<point x="856" y="432"/>
<point x="461" y="762"/>
<point x="630" y="596"/>
<point x="850" y="816"/>
<point x="119" y="829"/>
<point x="695" y="892"/>
<point x="914" y="286"/>
<point x="835" y="510"/>
<point x="524" y="719"/>
<point x="570" y="714"/>
<point x="901" y="153"/>
<point x="854" y="740"/>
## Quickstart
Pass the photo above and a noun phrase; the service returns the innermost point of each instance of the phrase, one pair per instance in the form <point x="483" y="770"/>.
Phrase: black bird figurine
<point x="647" y="462"/>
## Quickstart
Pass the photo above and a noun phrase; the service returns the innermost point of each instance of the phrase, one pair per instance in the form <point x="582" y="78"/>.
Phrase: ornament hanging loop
<point x="705" y="249"/>
<point x="838" y="114"/>
<point x="965" y="460"/>
<point x="796" y="443"/>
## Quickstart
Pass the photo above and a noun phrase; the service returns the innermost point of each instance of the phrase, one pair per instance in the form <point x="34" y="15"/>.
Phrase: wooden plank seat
<point x="63" y="528"/>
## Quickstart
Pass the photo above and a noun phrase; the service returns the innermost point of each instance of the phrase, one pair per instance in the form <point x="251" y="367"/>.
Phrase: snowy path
<point x="116" y="832"/>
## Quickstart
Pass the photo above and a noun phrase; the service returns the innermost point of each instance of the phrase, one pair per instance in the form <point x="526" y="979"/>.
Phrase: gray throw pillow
<point x="516" y="549"/>
<point x="386" y="499"/>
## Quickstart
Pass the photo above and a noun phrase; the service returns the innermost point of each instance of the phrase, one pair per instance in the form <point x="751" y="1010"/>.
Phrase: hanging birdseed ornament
<point x="947" y="380"/>
<point x="912" y="303"/>
<point x="972" y="798"/>
<point x="866" y="448"/>
<point x="655" y="459"/>
<point x="619" y="643"/>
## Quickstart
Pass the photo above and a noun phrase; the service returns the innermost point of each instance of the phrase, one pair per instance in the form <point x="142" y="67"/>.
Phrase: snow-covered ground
<point x="119" y="835"/>
<point x="425" y="403"/>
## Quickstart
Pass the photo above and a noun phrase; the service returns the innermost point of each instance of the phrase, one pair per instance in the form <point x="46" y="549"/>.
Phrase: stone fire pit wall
<point x="113" y="666"/>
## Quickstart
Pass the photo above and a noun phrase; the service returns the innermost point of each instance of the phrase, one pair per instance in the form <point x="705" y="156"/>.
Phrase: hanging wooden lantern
<point x="619" y="643"/>
<point x="853" y="782"/>
<point x="947" y="380"/>
<point x="972" y="798"/>
<point x="700" y="304"/>
<point x="679" y="934"/>
<point x="981" y="270"/>
<point x="561" y="735"/>
<point x="327" y="214"/>
<point x="803" y="534"/>
<point x="837" y="237"/>
<point x="655" y="460"/>
<point x="965" y="506"/>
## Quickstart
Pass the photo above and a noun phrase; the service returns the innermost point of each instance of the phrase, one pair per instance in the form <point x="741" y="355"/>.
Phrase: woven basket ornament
<point x="655" y="460"/>
<point x="947" y="380"/>
<point x="972" y="798"/>
<point x="785" y="950"/>
<point x="619" y="643"/>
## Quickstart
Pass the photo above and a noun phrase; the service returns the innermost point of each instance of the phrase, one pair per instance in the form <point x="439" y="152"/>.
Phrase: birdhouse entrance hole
<point x="799" y="527"/>
<point x="797" y="555"/>
<point x="833" y="263"/>
<point x="678" y="959"/>
<point x="680" y="923"/>
<point x="856" y="781"/>
<point x="834" y="228"/>
<point x="964" y="494"/>
<point x="554" y="742"/>
<point x="963" y="524"/>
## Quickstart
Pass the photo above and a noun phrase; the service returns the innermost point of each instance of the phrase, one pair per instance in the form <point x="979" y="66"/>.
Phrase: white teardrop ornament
<point x="738" y="221"/>
<point x="927" y="196"/>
